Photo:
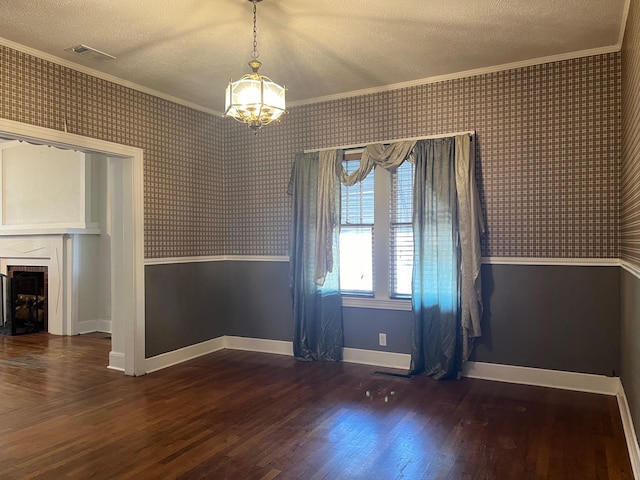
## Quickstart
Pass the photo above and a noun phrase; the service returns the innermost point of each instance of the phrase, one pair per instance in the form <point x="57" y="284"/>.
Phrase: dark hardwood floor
<point x="240" y="415"/>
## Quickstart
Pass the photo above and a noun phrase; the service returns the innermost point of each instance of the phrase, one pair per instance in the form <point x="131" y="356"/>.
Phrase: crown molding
<point x="104" y="76"/>
<point x="623" y="23"/>
<point x="339" y="96"/>
<point x="459" y="75"/>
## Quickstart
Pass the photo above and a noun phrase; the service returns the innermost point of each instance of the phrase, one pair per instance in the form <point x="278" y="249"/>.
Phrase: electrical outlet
<point x="382" y="339"/>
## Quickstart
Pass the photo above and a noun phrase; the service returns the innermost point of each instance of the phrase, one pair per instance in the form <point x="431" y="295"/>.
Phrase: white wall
<point x="45" y="186"/>
<point x="93" y="260"/>
<point x="101" y="216"/>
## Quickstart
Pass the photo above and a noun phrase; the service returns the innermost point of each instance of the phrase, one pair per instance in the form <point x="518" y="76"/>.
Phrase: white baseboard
<point x="377" y="358"/>
<point x="350" y="355"/>
<point x="259" y="345"/>
<point x="174" y="357"/>
<point x="86" y="326"/>
<point x="116" y="361"/>
<point x="280" y="347"/>
<point x="487" y="371"/>
<point x="103" y="326"/>
<point x="581" y="382"/>
<point x="90" y="326"/>
<point x="629" y="432"/>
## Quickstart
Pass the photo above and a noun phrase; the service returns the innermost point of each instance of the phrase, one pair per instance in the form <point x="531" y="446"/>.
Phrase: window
<point x="376" y="234"/>
<point x="401" y="230"/>
<point x="356" y="232"/>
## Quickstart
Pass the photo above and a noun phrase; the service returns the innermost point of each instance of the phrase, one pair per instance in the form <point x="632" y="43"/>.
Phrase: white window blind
<point x="401" y="230"/>
<point x="356" y="232"/>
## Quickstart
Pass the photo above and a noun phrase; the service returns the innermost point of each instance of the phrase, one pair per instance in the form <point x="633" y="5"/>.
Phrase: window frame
<point x="396" y="225"/>
<point x="355" y="156"/>
<point x="381" y="298"/>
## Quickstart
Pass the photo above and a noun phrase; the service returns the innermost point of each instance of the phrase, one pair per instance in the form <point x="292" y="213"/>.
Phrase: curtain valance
<point x="385" y="156"/>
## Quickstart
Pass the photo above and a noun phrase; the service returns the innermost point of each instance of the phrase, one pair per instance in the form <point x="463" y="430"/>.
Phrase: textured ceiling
<point x="191" y="48"/>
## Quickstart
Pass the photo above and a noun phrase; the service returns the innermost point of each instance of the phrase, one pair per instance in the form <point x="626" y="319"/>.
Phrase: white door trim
<point x="127" y="258"/>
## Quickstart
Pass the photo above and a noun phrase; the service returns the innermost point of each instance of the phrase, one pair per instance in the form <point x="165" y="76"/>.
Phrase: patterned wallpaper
<point x="183" y="148"/>
<point x="257" y="170"/>
<point x="548" y="157"/>
<point x="548" y="165"/>
<point x="630" y="169"/>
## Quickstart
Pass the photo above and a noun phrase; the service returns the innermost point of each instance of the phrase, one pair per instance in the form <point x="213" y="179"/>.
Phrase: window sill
<point x="382" y="304"/>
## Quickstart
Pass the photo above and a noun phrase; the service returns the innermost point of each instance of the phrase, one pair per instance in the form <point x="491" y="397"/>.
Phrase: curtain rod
<point x="357" y="145"/>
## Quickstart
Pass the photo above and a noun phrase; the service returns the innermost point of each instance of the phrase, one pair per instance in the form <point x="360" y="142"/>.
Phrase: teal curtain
<point x="436" y="279"/>
<point x="447" y="287"/>
<point x="314" y="279"/>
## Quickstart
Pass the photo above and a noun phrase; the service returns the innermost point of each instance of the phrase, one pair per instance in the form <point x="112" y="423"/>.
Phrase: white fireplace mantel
<point x="53" y="229"/>
<point x="57" y="252"/>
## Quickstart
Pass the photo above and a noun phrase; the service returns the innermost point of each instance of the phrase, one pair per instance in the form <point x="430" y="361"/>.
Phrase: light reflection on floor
<point x="379" y="423"/>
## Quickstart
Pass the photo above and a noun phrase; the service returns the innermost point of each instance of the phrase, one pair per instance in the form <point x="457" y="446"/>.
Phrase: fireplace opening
<point x="25" y="300"/>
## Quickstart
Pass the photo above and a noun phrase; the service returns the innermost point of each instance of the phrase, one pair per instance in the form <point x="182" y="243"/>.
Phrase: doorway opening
<point x="125" y="231"/>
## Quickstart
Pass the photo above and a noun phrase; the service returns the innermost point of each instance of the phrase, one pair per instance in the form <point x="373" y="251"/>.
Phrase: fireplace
<point x="29" y="297"/>
<point x="51" y="257"/>
<point x="23" y="296"/>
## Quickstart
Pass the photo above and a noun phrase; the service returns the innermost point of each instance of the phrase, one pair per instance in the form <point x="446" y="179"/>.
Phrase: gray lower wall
<point x="630" y="342"/>
<point x="555" y="317"/>
<point x="185" y="304"/>
<point x="362" y="326"/>
<point x="259" y="302"/>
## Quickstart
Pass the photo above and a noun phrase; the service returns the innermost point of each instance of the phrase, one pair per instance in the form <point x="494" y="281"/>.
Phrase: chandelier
<point x="254" y="99"/>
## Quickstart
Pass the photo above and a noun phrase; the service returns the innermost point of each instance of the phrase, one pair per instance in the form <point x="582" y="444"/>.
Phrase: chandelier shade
<point x="254" y="99"/>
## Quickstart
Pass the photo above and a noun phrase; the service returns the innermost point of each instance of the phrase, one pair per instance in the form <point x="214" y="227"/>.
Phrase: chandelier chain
<point x="254" y="55"/>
